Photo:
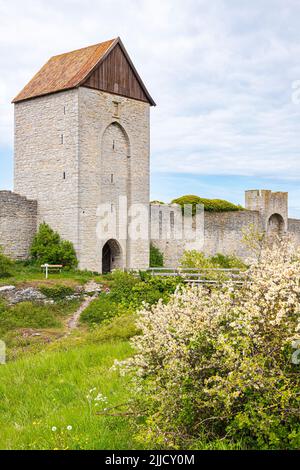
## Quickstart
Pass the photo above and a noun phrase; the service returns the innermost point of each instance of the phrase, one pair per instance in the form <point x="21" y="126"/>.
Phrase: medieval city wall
<point x="18" y="224"/>
<point x="294" y="229"/>
<point x="220" y="232"/>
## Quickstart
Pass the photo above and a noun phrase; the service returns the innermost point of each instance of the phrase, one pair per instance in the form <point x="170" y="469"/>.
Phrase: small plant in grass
<point x="48" y="247"/>
<point x="156" y="257"/>
<point x="57" y="292"/>
<point x="6" y="265"/>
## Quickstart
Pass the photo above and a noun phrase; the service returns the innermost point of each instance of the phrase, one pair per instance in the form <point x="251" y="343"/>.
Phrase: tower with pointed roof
<point x="82" y="137"/>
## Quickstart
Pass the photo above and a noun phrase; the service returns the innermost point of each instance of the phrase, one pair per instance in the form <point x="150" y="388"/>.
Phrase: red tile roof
<point x="65" y="71"/>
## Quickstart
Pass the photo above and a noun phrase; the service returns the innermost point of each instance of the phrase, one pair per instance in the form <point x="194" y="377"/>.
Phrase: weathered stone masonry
<point x="18" y="224"/>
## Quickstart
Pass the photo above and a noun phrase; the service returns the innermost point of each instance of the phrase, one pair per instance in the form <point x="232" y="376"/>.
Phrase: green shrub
<point x="48" y="247"/>
<point x="57" y="292"/>
<point x="197" y="259"/>
<point x="122" y="285"/>
<point x="210" y="205"/>
<point x="128" y="293"/>
<point x="6" y="265"/>
<point x="228" y="261"/>
<point x="156" y="257"/>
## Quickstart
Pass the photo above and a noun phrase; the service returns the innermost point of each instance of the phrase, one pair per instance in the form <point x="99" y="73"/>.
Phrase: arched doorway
<point x="276" y="225"/>
<point x="111" y="256"/>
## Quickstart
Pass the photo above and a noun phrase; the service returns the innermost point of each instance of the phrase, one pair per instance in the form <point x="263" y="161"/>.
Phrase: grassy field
<point x="24" y="275"/>
<point x="49" y="389"/>
<point x="52" y="377"/>
<point x="50" y="383"/>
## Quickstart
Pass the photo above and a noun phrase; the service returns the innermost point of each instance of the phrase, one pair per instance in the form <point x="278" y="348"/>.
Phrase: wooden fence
<point x="208" y="276"/>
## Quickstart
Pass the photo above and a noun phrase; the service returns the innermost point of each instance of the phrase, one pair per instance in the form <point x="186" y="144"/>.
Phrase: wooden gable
<point x="116" y="74"/>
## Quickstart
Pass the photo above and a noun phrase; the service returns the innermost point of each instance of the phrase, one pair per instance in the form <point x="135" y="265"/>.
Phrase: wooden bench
<point x="51" y="267"/>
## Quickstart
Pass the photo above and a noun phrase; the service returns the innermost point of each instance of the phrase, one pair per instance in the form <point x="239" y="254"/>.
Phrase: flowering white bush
<point x="218" y="364"/>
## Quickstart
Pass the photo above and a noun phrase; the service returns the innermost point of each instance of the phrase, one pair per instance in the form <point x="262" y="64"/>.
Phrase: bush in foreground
<point x="218" y="365"/>
<point x="48" y="247"/>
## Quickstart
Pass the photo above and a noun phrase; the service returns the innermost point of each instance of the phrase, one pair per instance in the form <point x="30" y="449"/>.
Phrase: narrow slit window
<point x="64" y="110"/>
<point x="160" y="216"/>
<point x="172" y="223"/>
<point x="111" y="178"/>
<point x="116" y="108"/>
<point x="113" y="145"/>
<point x="64" y="175"/>
<point x="61" y="138"/>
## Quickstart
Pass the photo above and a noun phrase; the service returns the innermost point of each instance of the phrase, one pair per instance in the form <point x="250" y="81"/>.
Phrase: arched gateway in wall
<point x="115" y="184"/>
<point x="276" y="225"/>
<point x="111" y="256"/>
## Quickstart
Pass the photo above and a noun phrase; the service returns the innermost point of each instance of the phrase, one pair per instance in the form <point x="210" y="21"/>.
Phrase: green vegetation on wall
<point x="210" y="205"/>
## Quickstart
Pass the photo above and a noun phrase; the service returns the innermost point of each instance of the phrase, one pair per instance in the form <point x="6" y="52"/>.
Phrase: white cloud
<point x="221" y="73"/>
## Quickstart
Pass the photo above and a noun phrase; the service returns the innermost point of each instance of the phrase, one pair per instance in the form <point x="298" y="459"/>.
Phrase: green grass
<point x="47" y="378"/>
<point x="49" y="389"/>
<point x="31" y="315"/>
<point x="30" y="325"/>
<point x="23" y="273"/>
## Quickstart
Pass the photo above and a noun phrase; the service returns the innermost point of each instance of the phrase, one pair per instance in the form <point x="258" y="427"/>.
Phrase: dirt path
<point x="88" y="288"/>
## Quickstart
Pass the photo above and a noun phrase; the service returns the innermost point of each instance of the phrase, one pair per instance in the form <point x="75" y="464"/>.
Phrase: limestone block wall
<point x="46" y="159"/>
<point x="18" y="224"/>
<point x="171" y="235"/>
<point x="294" y="229"/>
<point x="114" y="161"/>
<point x="222" y="232"/>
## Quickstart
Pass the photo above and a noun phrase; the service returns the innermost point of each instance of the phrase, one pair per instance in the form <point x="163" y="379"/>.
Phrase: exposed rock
<point x="25" y="295"/>
<point x="92" y="287"/>
<point x="4" y="289"/>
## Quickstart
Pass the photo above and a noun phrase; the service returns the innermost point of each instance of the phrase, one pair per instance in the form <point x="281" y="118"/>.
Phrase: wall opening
<point x="111" y="256"/>
<point x="276" y="225"/>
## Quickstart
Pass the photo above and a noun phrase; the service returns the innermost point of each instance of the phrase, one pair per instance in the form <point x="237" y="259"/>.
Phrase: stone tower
<point x="273" y="209"/>
<point x="82" y="152"/>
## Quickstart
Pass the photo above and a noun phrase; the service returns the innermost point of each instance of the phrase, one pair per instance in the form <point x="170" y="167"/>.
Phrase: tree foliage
<point x="156" y="257"/>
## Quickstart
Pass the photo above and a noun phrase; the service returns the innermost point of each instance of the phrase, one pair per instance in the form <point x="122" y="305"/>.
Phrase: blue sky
<point x="224" y="73"/>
